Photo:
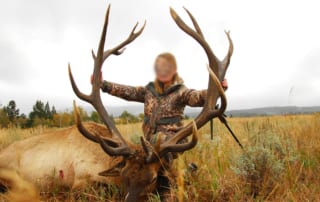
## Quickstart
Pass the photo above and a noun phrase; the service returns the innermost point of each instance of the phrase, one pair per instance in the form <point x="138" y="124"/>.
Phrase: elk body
<point x="62" y="158"/>
<point x="137" y="166"/>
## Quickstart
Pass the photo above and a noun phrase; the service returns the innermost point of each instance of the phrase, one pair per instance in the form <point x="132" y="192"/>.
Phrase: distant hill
<point x="269" y="111"/>
<point x="192" y="112"/>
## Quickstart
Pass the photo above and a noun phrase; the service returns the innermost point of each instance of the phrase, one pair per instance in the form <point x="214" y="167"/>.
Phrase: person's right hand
<point x="101" y="79"/>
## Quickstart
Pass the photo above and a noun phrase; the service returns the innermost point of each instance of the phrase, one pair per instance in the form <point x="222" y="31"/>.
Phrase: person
<point x="164" y="102"/>
<point x="164" y="99"/>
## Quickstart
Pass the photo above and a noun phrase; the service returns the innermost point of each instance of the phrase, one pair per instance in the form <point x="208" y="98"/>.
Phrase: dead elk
<point x="141" y="164"/>
<point x="72" y="160"/>
<point x="62" y="158"/>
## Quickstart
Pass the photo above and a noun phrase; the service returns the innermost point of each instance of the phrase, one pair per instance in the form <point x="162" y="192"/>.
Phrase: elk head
<point x="140" y="164"/>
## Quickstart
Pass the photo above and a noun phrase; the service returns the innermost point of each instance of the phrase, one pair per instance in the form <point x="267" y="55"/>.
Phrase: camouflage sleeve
<point x="194" y="98"/>
<point x="129" y="93"/>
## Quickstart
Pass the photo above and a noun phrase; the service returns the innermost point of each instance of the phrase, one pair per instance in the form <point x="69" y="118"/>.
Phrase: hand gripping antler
<point x="217" y="70"/>
<point x="110" y="146"/>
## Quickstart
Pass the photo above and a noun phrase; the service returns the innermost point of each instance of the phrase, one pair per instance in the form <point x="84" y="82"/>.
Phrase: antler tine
<point x="115" y="151"/>
<point x="216" y="81"/>
<point x="148" y="149"/>
<point x="155" y="153"/>
<point x="195" y="23"/>
<point x="172" y="144"/>
<point x="119" y="49"/>
<point x="213" y="61"/>
<point x="226" y="61"/>
<point x="110" y="146"/>
<point x="75" y="88"/>
<point x="103" y="36"/>
<point x="86" y="133"/>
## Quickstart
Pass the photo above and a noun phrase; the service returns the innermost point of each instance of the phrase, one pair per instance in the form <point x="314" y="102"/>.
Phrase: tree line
<point x="43" y="114"/>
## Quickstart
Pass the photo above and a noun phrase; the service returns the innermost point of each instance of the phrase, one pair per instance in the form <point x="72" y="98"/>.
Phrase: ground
<point x="281" y="162"/>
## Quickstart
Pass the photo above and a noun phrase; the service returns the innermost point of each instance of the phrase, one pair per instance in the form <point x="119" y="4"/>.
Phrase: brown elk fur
<point x="65" y="159"/>
<point x="60" y="158"/>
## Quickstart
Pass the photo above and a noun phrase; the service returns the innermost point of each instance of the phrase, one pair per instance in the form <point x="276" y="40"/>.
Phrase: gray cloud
<point x="305" y="88"/>
<point x="13" y="67"/>
<point x="272" y="52"/>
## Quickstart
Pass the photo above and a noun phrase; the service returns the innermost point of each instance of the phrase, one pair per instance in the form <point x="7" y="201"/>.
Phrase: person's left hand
<point x="224" y="84"/>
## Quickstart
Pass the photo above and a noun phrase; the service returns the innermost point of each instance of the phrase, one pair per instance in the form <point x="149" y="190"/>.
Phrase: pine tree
<point x="38" y="110"/>
<point x="53" y="110"/>
<point x="47" y="111"/>
<point x="38" y="114"/>
<point x="12" y="111"/>
<point x="95" y="117"/>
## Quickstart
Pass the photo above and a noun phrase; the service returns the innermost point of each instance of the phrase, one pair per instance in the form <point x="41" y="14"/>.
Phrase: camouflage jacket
<point x="163" y="112"/>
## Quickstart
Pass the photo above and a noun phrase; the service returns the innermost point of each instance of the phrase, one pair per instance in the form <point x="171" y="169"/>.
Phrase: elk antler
<point x="217" y="70"/>
<point x="113" y="148"/>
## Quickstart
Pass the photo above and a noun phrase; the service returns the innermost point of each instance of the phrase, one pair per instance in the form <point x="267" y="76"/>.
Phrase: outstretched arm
<point x="197" y="98"/>
<point x="125" y="92"/>
<point x="128" y="93"/>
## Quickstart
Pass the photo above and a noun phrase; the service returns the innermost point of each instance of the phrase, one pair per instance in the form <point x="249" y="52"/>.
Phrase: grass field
<point x="281" y="162"/>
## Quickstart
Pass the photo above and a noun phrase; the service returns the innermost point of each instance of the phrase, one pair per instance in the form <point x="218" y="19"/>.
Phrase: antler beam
<point x="95" y="99"/>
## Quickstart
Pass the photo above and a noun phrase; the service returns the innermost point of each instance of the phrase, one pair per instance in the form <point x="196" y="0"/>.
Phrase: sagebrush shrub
<point x="263" y="162"/>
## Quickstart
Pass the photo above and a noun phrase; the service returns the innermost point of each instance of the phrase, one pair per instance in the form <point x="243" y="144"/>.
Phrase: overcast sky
<point x="276" y="59"/>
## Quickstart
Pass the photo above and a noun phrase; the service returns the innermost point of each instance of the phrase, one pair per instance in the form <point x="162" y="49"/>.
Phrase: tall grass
<point x="281" y="162"/>
<point x="13" y="134"/>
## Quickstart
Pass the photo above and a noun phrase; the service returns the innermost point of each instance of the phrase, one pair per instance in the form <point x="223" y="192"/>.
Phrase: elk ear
<point x="113" y="171"/>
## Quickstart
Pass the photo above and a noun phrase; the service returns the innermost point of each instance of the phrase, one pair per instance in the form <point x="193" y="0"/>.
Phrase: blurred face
<point x="164" y="70"/>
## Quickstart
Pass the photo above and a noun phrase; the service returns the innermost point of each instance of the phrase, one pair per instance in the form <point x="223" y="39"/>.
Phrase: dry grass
<point x="8" y="136"/>
<point x="281" y="162"/>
